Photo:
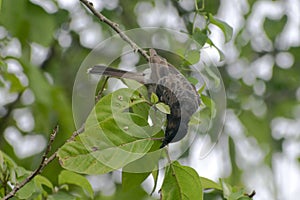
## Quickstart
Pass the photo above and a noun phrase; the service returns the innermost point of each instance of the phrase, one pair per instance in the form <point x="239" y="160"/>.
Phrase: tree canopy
<point x="242" y="57"/>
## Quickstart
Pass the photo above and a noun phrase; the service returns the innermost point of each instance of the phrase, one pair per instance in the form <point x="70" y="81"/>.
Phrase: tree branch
<point x="44" y="162"/>
<point x="116" y="28"/>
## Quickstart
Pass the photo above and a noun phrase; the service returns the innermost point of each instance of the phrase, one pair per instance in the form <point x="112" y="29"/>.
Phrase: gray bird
<point x="171" y="87"/>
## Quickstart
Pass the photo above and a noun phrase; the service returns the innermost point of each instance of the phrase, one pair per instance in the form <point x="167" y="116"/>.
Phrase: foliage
<point x="41" y="49"/>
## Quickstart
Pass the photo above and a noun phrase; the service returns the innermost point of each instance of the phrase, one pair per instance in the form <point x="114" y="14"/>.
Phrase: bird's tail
<point x="117" y="73"/>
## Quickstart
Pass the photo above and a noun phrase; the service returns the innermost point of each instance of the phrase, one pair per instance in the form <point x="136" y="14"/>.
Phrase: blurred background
<point x="43" y="42"/>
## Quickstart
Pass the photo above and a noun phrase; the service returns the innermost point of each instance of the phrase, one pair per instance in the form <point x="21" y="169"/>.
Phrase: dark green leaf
<point x="274" y="27"/>
<point x="177" y="183"/>
<point x="132" y="180"/>
<point x="200" y="37"/>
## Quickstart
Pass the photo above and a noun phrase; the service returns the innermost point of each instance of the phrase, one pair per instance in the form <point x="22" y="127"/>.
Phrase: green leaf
<point x="15" y="84"/>
<point x="34" y="187"/>
<point x="15" y="174"/>
<point x="209" y="184"/>
<point x="154" y="98"/>
<point x="149" y="161"/>
<point x="164" y="108"/>
<point x="201" y="89"/>
<point x="132" y="180"/>
<point x="200" y="37"/>
<point x="196" y="118"/>
<point x="74" y="156"/>
<point x="115" y="103"/>
<point x="221" y="54"/>
<point x="113" y="137"/>
<point x="181" y="182"/>
<point x="227" y="189"/>
<point x="274" y="27"/>
<point x="61" y="195"/>
<point x="210" y="104"/>
<point x="67" y="177"/>
<point x="193" y="56"/>
<point x="155" y="174"/>
<point x="233" y="193"/>
<point x="41" y="180"/>
<point x="213" y="76"/>
<point x="192" y="80"/>
<point x="120" y="194"/>
<point x="26" y="191"/>
<point x="226" y="29"/>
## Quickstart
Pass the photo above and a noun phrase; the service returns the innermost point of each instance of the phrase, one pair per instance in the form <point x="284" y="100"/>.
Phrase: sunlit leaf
<point x="201" y="89"/>
<point x="209" y="184"/>
<point x="164" y="108"/>
<point x="192" y="80"/>
<point x="113" y="137"/>
<point x="192" y="56"/>
<point x="209" y="103"/>
<point x="68" y="177"/>
<point x="154" y="98"/>
<point x="15" y="84"/>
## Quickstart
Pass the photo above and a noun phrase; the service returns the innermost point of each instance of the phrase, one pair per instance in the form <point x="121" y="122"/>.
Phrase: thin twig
<point x="116" y="28"/>
<point x="75" y="133"/>
<point x="44" y="162"/>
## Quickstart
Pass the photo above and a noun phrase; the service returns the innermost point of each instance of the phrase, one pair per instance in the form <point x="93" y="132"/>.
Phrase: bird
<point x="171" y="88"/>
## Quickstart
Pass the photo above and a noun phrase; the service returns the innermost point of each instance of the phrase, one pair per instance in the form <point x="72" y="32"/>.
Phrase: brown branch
<point x="44" y="162"/>
<point x="116" y="28"/>
<point x="75" y="133"/>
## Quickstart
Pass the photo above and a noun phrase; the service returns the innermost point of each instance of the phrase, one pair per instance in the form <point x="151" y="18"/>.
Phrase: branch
<point x="45" y="161"/>
<point x="116" y="28"/>
<point x="75" y="133"/>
